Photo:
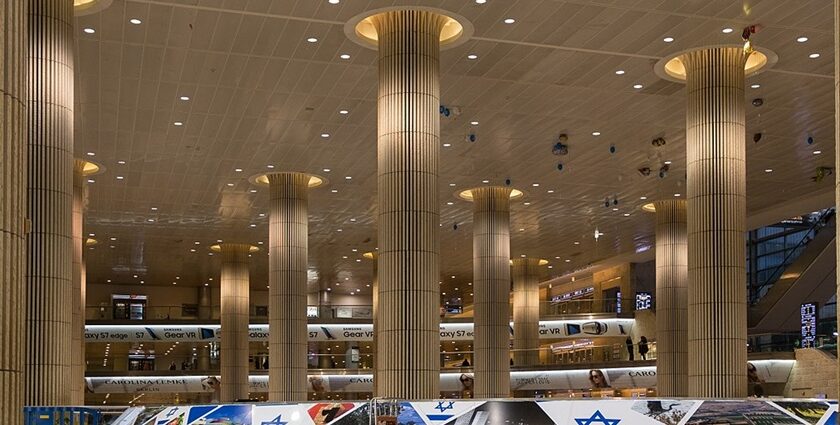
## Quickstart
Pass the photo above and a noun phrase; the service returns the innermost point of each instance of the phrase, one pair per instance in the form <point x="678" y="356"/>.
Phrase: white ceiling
<point x="261" y="95"/>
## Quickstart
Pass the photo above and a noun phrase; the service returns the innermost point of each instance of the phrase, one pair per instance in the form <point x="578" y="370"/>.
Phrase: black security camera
<point x="756" y="137"/>
<point x="757" y="102"/>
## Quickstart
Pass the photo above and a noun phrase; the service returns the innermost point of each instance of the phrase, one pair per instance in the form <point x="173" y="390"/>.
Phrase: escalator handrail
<point x="821" y="222"/>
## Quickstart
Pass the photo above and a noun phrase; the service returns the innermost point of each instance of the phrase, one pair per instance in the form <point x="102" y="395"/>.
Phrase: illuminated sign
<point x="582" y="292"/>
<point x="808" y="320"/>
<point x="311" y="311"/>
<point x="643" y="300"/>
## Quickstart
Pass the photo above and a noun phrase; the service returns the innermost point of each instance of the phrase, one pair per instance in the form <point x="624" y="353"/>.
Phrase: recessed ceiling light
<point x="577" y="243"/>
<point x="727" y="30"/>
<point x="325" y="135"/>
<point x="135" y="21"/>
<point x="91" y="181"/>
<point x="643" y="198"/>
<point x="269" y="166"/>
<point x="472" y="56"/>
<point x="473" y="122"/>
<point x="480" y="1"/>
<point x="89" y="30"/>
<point x="333" y="1"/>
<point x="668" y="39"/>
<point x="596" y="133"/>
<point x="312" y="40"/>
<point x="677" y="195"/>
<point x="334" y="190"/>
<point x="238" y="170"/>
<point x="451" y="184"/>
<point x="178" y="123"/>
<point x="637" y="86"/>
<point x="344" y="56"/>
<point x="526" y="203"/>
<point x="568" y="261"/>
<point x="550" y="191"/>
<point x="667" y="162"/>
<point x="230" y="184"/>
<point x="150" y="220"/>
<point x="184" y="98"/>
<point x="327" y="170"/>
<point x="446" y="145"/>
<point x="535" y="184"/>
<point x="154" y="208"/>
<point x="801" y="39"/>
<point x="619" y="72"/>
<point x="755" y="86"/>
<point x="627" y="214"/>
<point x="509" y="20"/>
<point x="449" y="203"/>
<point x="120" y="177"/>
<point x="253" y="191"/>
<point x="91" y="154"/>
<point x="343" y="112"/>
<point x="348" y="178"/>
<point x="615" y="209"/>
<point x="113" y="239"/>
<point x="485" y="181"/>
<point x="817" y="152"/>
<point x="121" y="162"/>
<point x="252" y="225"/>
<point x="768" y="170"/>
<point x="814" y="55"/>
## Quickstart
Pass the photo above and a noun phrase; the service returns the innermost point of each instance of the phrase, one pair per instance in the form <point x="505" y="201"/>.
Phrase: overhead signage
<point x="643" y="300"/>
<point x="582" y="292"/>
<point x="553" y="329"/>
<point x="311" y="311"/>
<point x="570" y="346"/>
<point x="808" y="320"/>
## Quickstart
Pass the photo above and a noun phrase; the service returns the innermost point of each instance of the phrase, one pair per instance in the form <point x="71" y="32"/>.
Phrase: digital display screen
<point x="808" y="319"/>
<point x="643" y="300"/>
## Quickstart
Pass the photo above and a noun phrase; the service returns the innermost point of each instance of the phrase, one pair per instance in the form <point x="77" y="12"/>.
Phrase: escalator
<point x="809" y="278"/>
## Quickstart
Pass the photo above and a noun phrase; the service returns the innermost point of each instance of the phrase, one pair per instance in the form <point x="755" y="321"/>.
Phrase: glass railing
<point x="552" y="357"/>
<point x="159" y="313"/>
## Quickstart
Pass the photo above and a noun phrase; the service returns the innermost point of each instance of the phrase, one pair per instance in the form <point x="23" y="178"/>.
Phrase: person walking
<point x="630" y="351"/>
<point x="643" y="347"/>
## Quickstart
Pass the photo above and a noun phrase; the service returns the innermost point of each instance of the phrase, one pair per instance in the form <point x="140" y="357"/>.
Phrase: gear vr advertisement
<point x="342" y="332"/>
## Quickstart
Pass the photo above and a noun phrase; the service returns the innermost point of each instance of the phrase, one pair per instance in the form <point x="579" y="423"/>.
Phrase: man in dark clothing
<point x="629" y="343"/>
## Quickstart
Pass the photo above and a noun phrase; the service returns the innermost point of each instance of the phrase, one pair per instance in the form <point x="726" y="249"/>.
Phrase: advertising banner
<point x="480" y="412"/>
<point x="554" y="329"/>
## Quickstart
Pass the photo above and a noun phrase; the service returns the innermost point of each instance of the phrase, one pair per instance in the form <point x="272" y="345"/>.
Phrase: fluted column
<point x="671" y="299"/>
<point x="837" y="139"/>
<point x="50" y="188"/>
<point x="205" y="303"/>
<point x="491" y="279"/>
<point x="408" y="140"/>
<point x="77" y="383"/>
<point x="235" y="298"/>
<point x="13" y="14"/>
<point x="374" y="257"/>
<point x="287" y="265"/>
<point x="716" y="186"/>
<point x="526" y="310"/>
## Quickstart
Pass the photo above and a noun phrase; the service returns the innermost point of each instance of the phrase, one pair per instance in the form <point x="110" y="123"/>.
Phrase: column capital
<point x="234" y="248"/>
<point x="364" y="28"/>
<point x="651" y="207"/>
<point x="673" y="67"/>
<point x="474" y="193"/>
<point x="85" y="168"/>
<point x="265" y="179"/>
<point x="528" y="262"/>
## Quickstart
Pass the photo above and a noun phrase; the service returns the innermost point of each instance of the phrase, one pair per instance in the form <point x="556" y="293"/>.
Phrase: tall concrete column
<point x="81" y="170"/>
<point x="13" y="87"/>
<point x="491" y="279"/>
<point x="50" y="186"/>
<point x="408" y="139"/>
<point x="671" y="299"/>
<point x="205" y="303"/>
<point x="235" y="298"/>
<point x="837" y="137"/>
<point x="203" y="363"/>
<point x="287" y="265"/>
<point x="716" y="219"/>
<point x="526" y="310"/>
